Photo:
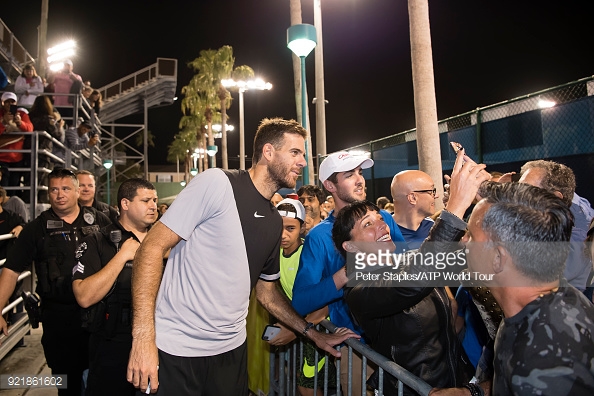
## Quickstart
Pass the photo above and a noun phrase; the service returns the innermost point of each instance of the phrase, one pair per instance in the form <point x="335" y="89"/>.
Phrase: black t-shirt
<point x="8" y="220"/>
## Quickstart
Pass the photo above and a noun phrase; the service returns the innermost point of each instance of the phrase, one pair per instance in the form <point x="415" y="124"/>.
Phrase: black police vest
<point x="60" y="239"/>
<point x="113" y="314"/>
<point x="118" y="304"/>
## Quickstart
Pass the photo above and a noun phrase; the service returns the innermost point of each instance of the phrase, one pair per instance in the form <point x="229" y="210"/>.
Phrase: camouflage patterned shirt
<point x="547" y="348"/>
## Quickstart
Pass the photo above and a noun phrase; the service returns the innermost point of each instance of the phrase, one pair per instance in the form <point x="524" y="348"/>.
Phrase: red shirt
<point x="26" y="126"/>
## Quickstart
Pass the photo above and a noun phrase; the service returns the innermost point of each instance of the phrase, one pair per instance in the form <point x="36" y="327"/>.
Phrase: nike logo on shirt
<point x="257" y="215"/>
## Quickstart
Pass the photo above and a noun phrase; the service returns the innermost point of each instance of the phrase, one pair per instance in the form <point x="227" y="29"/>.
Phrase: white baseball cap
<point x="299" y="209"/>
<point x="9" y="95"/>
<point x="342" y="161"/>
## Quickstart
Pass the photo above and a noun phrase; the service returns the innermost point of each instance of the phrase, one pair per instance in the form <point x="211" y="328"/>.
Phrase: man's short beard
<point x="349" y="198"/>
<point x="279" y="176"/>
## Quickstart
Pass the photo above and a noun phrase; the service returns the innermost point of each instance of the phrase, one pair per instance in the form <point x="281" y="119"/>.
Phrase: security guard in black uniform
<point x="51" y="241"/>
<point x="102" y="285"/>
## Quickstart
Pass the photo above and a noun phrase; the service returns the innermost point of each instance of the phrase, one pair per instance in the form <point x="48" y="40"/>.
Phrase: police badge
<point x="89" y="218"/>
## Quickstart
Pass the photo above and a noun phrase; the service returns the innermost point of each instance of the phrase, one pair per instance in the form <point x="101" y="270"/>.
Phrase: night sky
<point x="483" y="52"/>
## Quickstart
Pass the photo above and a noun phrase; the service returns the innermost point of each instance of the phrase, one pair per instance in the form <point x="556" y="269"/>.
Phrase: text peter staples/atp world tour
<point x="384" y="268"/>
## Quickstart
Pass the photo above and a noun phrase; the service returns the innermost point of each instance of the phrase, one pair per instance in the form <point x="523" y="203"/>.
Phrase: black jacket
<point x="414" y="326"/>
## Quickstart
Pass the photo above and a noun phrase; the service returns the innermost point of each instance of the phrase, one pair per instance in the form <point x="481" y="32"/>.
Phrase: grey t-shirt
<point x="230" y="239"/>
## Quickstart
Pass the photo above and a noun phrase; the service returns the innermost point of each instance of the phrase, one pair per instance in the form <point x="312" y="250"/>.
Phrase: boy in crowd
<point x="293" y="215"/>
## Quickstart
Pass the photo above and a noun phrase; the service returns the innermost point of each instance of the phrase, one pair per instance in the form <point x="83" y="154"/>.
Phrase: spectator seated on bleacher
<point x="13" y="120"/>
<point x="44" y="118"/>
<point x="81" y="137"/>
<point x="10" y="223"/>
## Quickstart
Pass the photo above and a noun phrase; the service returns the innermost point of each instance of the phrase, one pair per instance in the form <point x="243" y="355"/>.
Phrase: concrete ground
<point x="27" y="359"/>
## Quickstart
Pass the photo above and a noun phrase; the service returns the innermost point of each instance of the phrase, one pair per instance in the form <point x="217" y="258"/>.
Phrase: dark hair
<point x="61" y="173"/>
<point x="273" y="130"/>
<point x="312" y="190"/>
<point x="558" y="177"/>
<point x="527" y="220"/>
<point x="381" y="202"/>
<point x="287" y="207"/>
<point x="346" y="219"/>
<point x="99" y="98"/>
<point x="42" y="106"/>
<point x="29" y="67"/>
<point x="2" y="194"/>
<point x="129" y="189"/>
<point x="333" y="178"/>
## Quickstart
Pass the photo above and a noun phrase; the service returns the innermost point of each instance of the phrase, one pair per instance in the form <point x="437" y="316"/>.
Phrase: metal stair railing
<point x="14" y="52"/>
<point x="164" y="67"/>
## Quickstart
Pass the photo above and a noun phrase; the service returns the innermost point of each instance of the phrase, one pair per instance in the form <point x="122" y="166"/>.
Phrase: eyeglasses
<point x="432" y="192"/>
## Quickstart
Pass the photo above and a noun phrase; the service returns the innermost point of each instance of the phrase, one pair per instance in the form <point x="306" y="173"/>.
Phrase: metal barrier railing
<point x="19" y="325"/>
<point x="73" y="160"/>
<point x="283" y="379"/>
<point x="4" y="238"/>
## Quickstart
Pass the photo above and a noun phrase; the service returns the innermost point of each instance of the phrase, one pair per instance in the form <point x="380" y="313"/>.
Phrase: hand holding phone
<point x="270" y="332"/>
<point x="456" y="147"/>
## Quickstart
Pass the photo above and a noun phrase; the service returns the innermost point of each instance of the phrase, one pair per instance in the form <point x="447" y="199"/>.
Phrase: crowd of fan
<point x="447" y="336"/>
<point x="62" y="105"/>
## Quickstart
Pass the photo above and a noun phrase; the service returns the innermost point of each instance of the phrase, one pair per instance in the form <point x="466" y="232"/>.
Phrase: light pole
<point x="212" y="150"/>
<point x="243" y="86"/>
<point x="301" y="39"/>
<point x="107" y="164"/>
<point x="320" y="100"/>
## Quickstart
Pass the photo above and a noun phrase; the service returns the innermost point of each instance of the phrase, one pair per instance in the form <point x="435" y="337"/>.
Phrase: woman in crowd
<point x="95" y="101"/>
<point x="44" y="118"/>
<point x="27" y="86"/>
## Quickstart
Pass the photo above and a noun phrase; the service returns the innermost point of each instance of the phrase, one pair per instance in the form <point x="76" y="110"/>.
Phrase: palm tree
<point x="181" y="147"/>
<point x="194" y="107"/>
<point x="243" y="73"/>
<point x="212" y="67"/>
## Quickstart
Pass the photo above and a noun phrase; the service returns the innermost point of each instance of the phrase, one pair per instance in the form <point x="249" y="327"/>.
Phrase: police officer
<point x="51" y="241"/>
<point x="102" y="285"/>
<point x="86" y="181"/>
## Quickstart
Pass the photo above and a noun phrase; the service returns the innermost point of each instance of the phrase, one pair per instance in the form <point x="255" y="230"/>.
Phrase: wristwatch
<point x="308" y="326"/>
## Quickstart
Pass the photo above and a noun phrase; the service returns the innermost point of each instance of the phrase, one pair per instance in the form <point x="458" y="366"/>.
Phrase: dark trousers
<point x="66" y="346"/>
<point x="108" y="367"/>
<point x="224" y="374"/>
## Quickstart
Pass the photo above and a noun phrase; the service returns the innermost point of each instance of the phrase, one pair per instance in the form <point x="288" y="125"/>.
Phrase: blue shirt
<point x="578" y="265"/>
<point x="314" y="287"/>
<point x="414" y="239"/>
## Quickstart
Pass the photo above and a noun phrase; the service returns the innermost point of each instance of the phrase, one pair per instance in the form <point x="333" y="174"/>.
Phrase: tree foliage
<point x="205" y="99"/>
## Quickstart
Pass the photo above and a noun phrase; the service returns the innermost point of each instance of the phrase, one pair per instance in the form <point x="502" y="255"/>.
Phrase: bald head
<point x="412" y="190"/>
<point x="407" y="181"/>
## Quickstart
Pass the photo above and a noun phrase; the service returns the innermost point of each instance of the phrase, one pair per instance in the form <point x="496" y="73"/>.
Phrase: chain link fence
<point x="555" y="123"/>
